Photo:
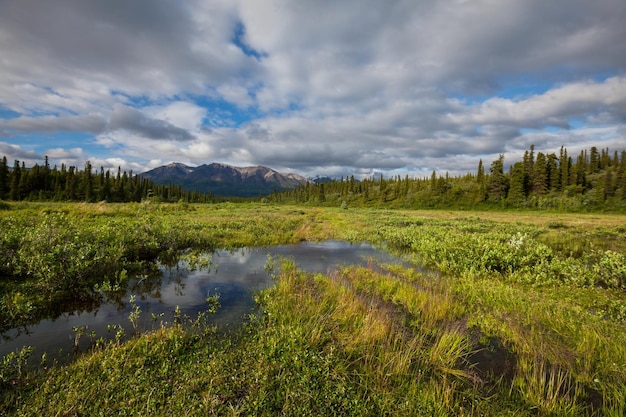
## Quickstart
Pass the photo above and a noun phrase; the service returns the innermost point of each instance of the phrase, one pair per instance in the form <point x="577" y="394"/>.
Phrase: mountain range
<point x="225" y="180"/>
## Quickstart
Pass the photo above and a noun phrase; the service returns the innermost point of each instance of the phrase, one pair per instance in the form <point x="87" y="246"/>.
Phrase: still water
<point x="234" y="275"/>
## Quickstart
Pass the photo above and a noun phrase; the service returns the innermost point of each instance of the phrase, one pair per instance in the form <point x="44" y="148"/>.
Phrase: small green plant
<point x="78" y="333"/>
<point x="177" y="315"/>
<point x="270" y="265"/>
<point x="213" y="302"/>
<point x="18" y="306"/>
<point x="119" y="332"/>
<point x="135" y="313"/>
<point x="14" y="365"/>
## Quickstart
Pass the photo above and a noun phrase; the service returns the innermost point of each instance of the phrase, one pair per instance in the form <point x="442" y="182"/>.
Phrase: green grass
<point x="519" y="315"/>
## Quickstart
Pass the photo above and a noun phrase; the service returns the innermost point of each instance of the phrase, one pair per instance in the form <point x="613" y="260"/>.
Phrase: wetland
<point x="489" y="313"/>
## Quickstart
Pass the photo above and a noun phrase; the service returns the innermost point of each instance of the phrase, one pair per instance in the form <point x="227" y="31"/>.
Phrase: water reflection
<point x="234" y="275"/>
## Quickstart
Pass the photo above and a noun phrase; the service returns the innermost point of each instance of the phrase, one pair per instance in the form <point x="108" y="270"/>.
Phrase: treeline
<point x="592" y="180"/>
<point x="68" y="183"/>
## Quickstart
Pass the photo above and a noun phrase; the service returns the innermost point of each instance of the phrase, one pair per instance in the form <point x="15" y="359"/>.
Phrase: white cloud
<point x="182" y="114"/>
<point x="554" y="107"/>
<point x="355" y="86"/>
<point x="235" y="94"/>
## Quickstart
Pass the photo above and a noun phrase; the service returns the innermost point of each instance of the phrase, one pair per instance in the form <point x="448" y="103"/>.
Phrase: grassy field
<point x="500" y="314"/>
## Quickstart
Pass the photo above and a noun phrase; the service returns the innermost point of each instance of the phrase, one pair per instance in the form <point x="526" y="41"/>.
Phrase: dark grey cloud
<point x="90" y="123"/>
<point x="15" y="152"/>
<point x="142" y="47"/>
<point x="135" y="122"/>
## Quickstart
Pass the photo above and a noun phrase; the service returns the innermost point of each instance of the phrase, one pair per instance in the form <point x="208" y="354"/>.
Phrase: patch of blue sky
<point x="132" y="100"/>
<point x="222" y="113"/>
<point x="517" y="92"/>
<point x="238" y="41"/>
<point x="546" y="129"/>
<point x="577" y="123"/>
<point x="41" y="143"/>
<point x="520" y="87"/>
<point x="8" y="114"/>
<point x="511" y="89"/>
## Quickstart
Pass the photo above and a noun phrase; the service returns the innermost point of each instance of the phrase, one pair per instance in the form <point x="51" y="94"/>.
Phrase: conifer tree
<point x="70" y="184"/>
<point x="553" y="172"/>
<point x="24" y="183"/>
<point x="517" y="186"/>
<point x="540" y="175"/>
<point x="480" y="175"/>
<point x="88" y="182"/>
<point x="4" y="178"/>
<point x="594" y="160"/>
<point x="529" y="161"/>
<point x="321" y="195"/>
<point x="564" y="164"/>
<point x="497" y="185"/>
<point x="14" y="192"/>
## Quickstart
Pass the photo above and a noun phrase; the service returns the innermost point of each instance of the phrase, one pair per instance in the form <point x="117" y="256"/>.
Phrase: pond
<point x="234" y="275"/>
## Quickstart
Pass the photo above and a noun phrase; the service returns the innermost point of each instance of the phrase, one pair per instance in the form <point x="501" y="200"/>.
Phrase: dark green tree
<point x="71" y="184"/>
<point x="594" y="160"/>
<point x="553" y="172"/>
<point x="87" y="182"/>
<point x="24" y="186"/>
<point x="321" y="195"/>
<point x="564" y="164"/>
<point x="480" y="175"/>
<point x="539" y="177"/>
<point x="4" y="178"/>
<point x="517" y="187"/>
<point x="497" y="183"/>
<point x="14" y="192"/>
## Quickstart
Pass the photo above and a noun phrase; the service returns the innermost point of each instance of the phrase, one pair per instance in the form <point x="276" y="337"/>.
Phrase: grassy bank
<point x="519" y="315"/>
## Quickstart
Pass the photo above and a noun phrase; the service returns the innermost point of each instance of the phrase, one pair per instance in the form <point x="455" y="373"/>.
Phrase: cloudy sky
<point x="317" y="87"/>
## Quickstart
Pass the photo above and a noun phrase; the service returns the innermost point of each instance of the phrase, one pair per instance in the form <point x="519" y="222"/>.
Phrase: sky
<point x="314" y="87"/>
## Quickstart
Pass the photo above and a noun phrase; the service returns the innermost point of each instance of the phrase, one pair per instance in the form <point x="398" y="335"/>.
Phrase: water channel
<point x="234" y="275"/>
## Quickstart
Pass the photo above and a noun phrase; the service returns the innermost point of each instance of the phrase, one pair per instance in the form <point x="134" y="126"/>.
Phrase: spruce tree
<point x="497" y="184"/>
<point x="24" y="185"/>
<point x="321" y="195"/>
<point x="564" y="164"/>
<point x="480" y="175"/>
<point x="594" y="160"/>
<point x="88" y="183"/>
<point x="517" y="185"/>
<point x="14" y="191"/>
<point x="540" y="175"/>
<point x="4" y="178"/>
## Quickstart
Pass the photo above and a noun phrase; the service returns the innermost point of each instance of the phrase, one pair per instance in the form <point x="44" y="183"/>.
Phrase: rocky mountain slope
<point x="225" y="180"/>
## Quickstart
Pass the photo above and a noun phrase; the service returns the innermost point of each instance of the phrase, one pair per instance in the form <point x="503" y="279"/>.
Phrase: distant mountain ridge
<point x="225" y="180"/>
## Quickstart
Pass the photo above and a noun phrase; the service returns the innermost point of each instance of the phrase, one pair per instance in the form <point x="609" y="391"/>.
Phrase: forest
<point x="593" y="180"/>
<point x="43" y="183"/>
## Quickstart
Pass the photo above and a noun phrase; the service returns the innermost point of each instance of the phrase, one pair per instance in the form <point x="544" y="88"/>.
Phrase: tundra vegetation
<point x="519" y="312"/>
<point x="494" y="313"/>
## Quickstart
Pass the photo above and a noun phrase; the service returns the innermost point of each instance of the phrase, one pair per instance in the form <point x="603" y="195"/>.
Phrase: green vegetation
<point x="495" y="313"/>
<point x="593" y="181"/>
<point x="43" y="183"/>
<point x="69" y="253"/>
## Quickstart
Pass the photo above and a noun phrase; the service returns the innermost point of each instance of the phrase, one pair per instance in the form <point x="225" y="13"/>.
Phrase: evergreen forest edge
<point x="593" y="180"/>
